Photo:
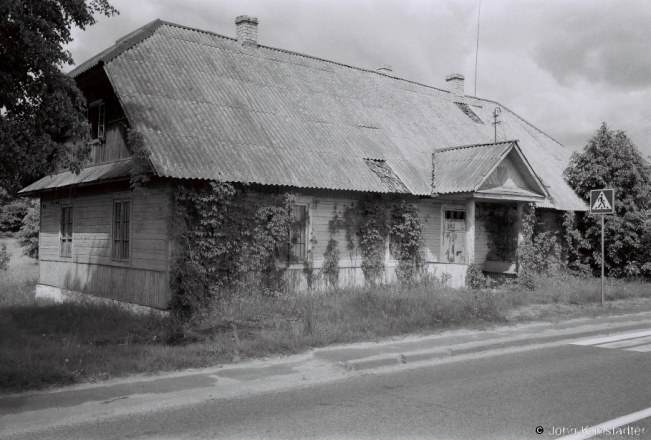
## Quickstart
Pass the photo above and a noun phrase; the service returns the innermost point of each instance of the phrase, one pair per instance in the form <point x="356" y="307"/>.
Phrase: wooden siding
<point x="113" y="148"/>
<point x="137" y="286"/>
<point x="91" y="268"/>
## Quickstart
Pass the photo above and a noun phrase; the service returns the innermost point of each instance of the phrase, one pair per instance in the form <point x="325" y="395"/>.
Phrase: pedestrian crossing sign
<point x="602" y="201"/>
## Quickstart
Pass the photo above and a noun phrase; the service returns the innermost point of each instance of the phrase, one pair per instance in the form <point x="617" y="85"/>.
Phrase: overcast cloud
<point x="563" y="65"/>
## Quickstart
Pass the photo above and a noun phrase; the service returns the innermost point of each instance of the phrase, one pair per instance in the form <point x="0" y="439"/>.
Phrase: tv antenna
<point x="496" y="114"/>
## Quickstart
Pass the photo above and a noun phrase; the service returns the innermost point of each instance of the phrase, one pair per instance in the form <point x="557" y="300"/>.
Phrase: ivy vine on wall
<point x="227" y="241"/>
<point x="140" y="154"/>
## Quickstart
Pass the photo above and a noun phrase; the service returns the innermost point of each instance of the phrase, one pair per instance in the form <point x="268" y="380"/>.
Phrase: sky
<point x="565" y="66"/>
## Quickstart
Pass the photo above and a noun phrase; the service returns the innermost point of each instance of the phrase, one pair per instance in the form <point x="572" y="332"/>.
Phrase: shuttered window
<point x="121" y="233"/>
<point x="298" y="233"/>
<point x="65" y="234"/>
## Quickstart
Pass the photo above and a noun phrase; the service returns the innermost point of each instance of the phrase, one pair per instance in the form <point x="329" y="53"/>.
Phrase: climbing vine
<point x="500" y="222"/>
<point x="379" y="218"/>
<point x="406" y="240"/>
<point x="229" y="241"/>
<point x="540" y="252"/>
<point x="140" y="155"/>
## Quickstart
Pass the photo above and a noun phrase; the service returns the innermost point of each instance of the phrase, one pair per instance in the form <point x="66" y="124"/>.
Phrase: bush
<point x="4" y="257"/>
<point x="30" y="229"/>
<point x="12" y="212"/>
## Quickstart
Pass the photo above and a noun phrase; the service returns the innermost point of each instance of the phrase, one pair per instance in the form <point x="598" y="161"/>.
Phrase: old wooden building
<point x="211" y="107"/>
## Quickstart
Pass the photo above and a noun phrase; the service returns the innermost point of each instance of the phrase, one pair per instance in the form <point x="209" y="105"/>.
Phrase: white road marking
<point x="609" y="425"/>
<point x="626" y="343"/>
<point x="606" y="339"/>
<point x="642" y="349"/>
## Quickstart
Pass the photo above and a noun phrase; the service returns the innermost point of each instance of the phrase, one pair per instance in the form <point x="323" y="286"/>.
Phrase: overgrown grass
<point x="18" y="281"/>
<point x="45" y="344"/>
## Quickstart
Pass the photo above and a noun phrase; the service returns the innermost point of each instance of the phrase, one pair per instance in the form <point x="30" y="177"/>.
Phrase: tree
<point x="611" y="160"/>
<point x="40" y="106"/>
<point x="30" y="229"/>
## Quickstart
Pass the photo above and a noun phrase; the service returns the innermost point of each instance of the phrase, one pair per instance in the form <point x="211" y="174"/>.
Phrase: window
<point x="468" y="111"/>
<point x="121" y="220"/>
<point x="97" y="119"/>
<point x="66" y="231"/>
<point x="298" y="233"/>
<point x="455" y="215"/>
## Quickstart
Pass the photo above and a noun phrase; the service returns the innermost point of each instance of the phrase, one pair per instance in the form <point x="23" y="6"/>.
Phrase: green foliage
<point x="30" y="230"/>
<point x="12" y="212"/>
<point x="4" y="257"/>
<point x="406" y="240"/>
<point x="330" y="267"/>
<point x="373" y="230"/>
<point x="230" y="241"/>
<point x="475" y="278"/>
<point x="141" y="170"/>
<point x="41" y="106"/>
<point x="540" y="251"/>
<point x="377" y="218"/>
<point x="500" y="221"/>
<point x="611" y="160"/>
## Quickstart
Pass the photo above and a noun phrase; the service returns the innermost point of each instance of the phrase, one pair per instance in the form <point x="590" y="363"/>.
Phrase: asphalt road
<point x="562" y="389"/>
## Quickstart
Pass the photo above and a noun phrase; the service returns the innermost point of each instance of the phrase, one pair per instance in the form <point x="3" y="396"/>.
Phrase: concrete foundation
<point x="58" y="295"/>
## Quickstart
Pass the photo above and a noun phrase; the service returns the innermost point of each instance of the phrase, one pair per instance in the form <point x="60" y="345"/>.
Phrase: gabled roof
<point x="468" y="168"/>
<point x="211" y="108"/>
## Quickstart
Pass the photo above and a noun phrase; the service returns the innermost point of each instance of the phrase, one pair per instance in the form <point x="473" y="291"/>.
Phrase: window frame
<point x="99" y="106"/>
<point x="291" y="256"/>
<point x="69" y="227"/>
<point x="121" y="221"/>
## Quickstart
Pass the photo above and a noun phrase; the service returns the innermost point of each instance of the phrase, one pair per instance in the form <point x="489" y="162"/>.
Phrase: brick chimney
<point x="246" y="29"/>
<point x="455" y="84"/>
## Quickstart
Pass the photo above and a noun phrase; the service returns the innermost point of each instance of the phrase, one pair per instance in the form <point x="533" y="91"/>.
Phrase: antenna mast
<point x="477" y="49"/>
<point x="496" y="113"/>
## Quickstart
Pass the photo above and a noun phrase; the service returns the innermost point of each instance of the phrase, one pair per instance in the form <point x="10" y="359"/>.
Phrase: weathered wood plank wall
<point x="143" y="279"/>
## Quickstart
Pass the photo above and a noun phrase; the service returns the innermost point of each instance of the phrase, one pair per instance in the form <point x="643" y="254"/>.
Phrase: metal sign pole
<point x="602" y="259"/>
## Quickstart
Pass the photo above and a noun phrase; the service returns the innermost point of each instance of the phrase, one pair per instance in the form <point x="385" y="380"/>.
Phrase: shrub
<point x="4" y="257"/>
<point x="30" y="229"/>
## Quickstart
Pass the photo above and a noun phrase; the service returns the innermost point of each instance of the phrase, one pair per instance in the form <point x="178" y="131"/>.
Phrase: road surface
<point x="563" y="389"/>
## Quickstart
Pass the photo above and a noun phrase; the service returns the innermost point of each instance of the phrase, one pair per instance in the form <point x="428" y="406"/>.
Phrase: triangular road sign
<point x="601" y="203"/>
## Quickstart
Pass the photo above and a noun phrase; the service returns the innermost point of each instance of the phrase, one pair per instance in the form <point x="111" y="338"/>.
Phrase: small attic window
<point x="468" y="111"/>
<point x="97" y="119"/>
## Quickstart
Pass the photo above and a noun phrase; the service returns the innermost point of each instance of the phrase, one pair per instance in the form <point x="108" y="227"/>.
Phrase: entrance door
<point x="453" y="245"/>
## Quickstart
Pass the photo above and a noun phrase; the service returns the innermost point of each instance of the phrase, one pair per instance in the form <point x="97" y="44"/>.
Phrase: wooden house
<point x="212" y="107"/>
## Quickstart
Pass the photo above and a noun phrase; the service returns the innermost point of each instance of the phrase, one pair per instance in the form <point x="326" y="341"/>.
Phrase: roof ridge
<point x="459" y="147"/>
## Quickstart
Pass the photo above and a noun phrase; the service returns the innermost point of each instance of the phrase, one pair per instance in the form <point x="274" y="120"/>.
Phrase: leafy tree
<point x="40" y="106"/>
<point x="12" y="211"/>
<point x="611" y="160"/>
<point x="30" y="229"/>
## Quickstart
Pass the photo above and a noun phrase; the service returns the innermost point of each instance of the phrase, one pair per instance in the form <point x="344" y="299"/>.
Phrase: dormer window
<point x="97" y="120"/>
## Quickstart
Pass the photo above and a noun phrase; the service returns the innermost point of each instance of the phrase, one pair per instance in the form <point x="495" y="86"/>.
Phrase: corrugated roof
<point x="107" y="171"/>
<point x="462" y="169"/>
<point x="211" y="108"/>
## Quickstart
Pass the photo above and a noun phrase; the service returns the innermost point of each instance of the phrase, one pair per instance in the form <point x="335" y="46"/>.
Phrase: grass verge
<point x="46" y="344"/>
